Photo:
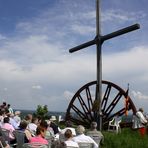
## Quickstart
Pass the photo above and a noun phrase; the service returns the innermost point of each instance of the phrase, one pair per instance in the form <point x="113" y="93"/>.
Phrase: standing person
<point x="142" y="121"/>
<point x="69" y="142"/>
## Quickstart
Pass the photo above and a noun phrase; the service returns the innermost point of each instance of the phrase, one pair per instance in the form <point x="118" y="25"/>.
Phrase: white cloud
<point x="36" y="87"/>
<point x="68" y="95"/>
<point x="120" y="15"/>
<point x="2" y="37"/>
<point x="132" y="63"/>
<point x="83" y="29"/>
<point x="139" y="95"/>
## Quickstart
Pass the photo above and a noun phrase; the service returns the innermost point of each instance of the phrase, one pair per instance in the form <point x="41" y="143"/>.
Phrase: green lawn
<point x="126" y="139"/>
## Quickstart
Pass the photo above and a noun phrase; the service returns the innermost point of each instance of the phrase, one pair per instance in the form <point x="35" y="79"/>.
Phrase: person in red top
<point x="40" y="136"/>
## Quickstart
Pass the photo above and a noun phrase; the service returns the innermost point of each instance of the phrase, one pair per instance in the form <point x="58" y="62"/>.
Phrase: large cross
<point x="98" y="40"/>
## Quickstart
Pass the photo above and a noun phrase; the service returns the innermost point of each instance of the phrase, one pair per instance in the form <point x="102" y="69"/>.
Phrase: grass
<point x="126" y="139"/>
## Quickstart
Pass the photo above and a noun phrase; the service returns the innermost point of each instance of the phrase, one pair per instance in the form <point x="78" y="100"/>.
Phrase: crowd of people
<point x="40" y="130"/>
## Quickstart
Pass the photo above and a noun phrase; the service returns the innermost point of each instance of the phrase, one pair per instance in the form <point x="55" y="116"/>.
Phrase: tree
<point x="42" y="111"/>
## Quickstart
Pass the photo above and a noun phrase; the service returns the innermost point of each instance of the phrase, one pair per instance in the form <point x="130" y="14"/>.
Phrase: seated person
<point x="23" y="128"/>
<point x="93" y="132"/>
<point x="33" y="125"/>
<point x="81" y="137"/>
<point x="69" y="126"/>
<point x="58" y="144"/>
<point x="28" y="118"/>
<point x="54" y="126"/>
<point x="68" y="136"/>
<point x="40" y="136"/>
<point x="6" y="125"/>
<point x="48" y="134"/>
<point x="17" y="117"/>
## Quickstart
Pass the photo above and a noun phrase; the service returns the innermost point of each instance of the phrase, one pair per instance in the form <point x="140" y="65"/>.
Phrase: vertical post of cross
<point x="99" y="66"/>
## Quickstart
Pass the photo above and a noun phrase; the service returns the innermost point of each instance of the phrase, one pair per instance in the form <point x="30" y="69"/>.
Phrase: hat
<point x="48" y="122"/>
<point x="17" y="112"/>
<point x="53" y="118"/>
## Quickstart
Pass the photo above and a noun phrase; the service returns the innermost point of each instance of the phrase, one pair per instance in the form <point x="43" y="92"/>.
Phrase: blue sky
<point x="35" y="38"/>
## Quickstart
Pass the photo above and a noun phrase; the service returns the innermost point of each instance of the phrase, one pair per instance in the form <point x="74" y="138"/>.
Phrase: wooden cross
<point x="98" y="40"/>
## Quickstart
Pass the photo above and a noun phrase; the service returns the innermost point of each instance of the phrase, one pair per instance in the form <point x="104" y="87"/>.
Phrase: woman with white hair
<point x="81" y="137"/>
<point x="140" y="122"/>
<point x="17" y="117"/>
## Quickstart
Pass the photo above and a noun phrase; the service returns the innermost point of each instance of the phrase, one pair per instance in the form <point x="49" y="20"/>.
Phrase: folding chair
<point x="1" y="145"/>
<point x="85" y="145"/>
<point x="35" y="145"/>
<point x="5" y="134"/>
<point x="96" y="138"/>
<point x="71" y="147"/>
<point x="20" y="138"/>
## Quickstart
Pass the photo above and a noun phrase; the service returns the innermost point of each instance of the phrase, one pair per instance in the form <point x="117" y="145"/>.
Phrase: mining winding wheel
<point x="82" y="106"/>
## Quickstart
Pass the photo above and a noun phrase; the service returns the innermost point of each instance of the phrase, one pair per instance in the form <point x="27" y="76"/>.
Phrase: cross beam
<point x="101" y="39"/>
<point x="98" y="40"/>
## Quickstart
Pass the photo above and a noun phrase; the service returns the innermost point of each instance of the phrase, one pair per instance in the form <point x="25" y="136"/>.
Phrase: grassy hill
<point x="128" y="138"/>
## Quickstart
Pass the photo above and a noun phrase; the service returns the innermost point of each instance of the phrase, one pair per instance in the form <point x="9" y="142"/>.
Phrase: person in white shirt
<point x="33" y="125"/>
<point x="17" y="117"/>
<point x="140" y="115"/>
<point x="68" y="126"/>
<point x="81" y="137"/>
<point x="141" y="122"/>
<point x="12" y="121"/>
<point x="69" y="142"/>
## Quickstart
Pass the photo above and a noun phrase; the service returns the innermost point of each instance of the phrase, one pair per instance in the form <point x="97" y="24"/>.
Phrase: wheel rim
<point x="80" y="109"/>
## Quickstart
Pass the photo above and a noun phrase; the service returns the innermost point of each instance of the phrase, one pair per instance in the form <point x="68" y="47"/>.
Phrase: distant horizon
<point x="35" y="110"/>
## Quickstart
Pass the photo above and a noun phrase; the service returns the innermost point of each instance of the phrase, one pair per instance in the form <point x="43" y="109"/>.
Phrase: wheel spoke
<point x="89" y="98"/>
<point x="80" y="113"/>
<point x="78" y="122"/>
<point x="113" y="104"/>
<point x="85" y="108"/>
<point x="105" y="98"/>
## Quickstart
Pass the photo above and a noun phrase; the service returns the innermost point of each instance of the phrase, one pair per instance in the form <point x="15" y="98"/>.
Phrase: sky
<point x="36" y="35"/>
